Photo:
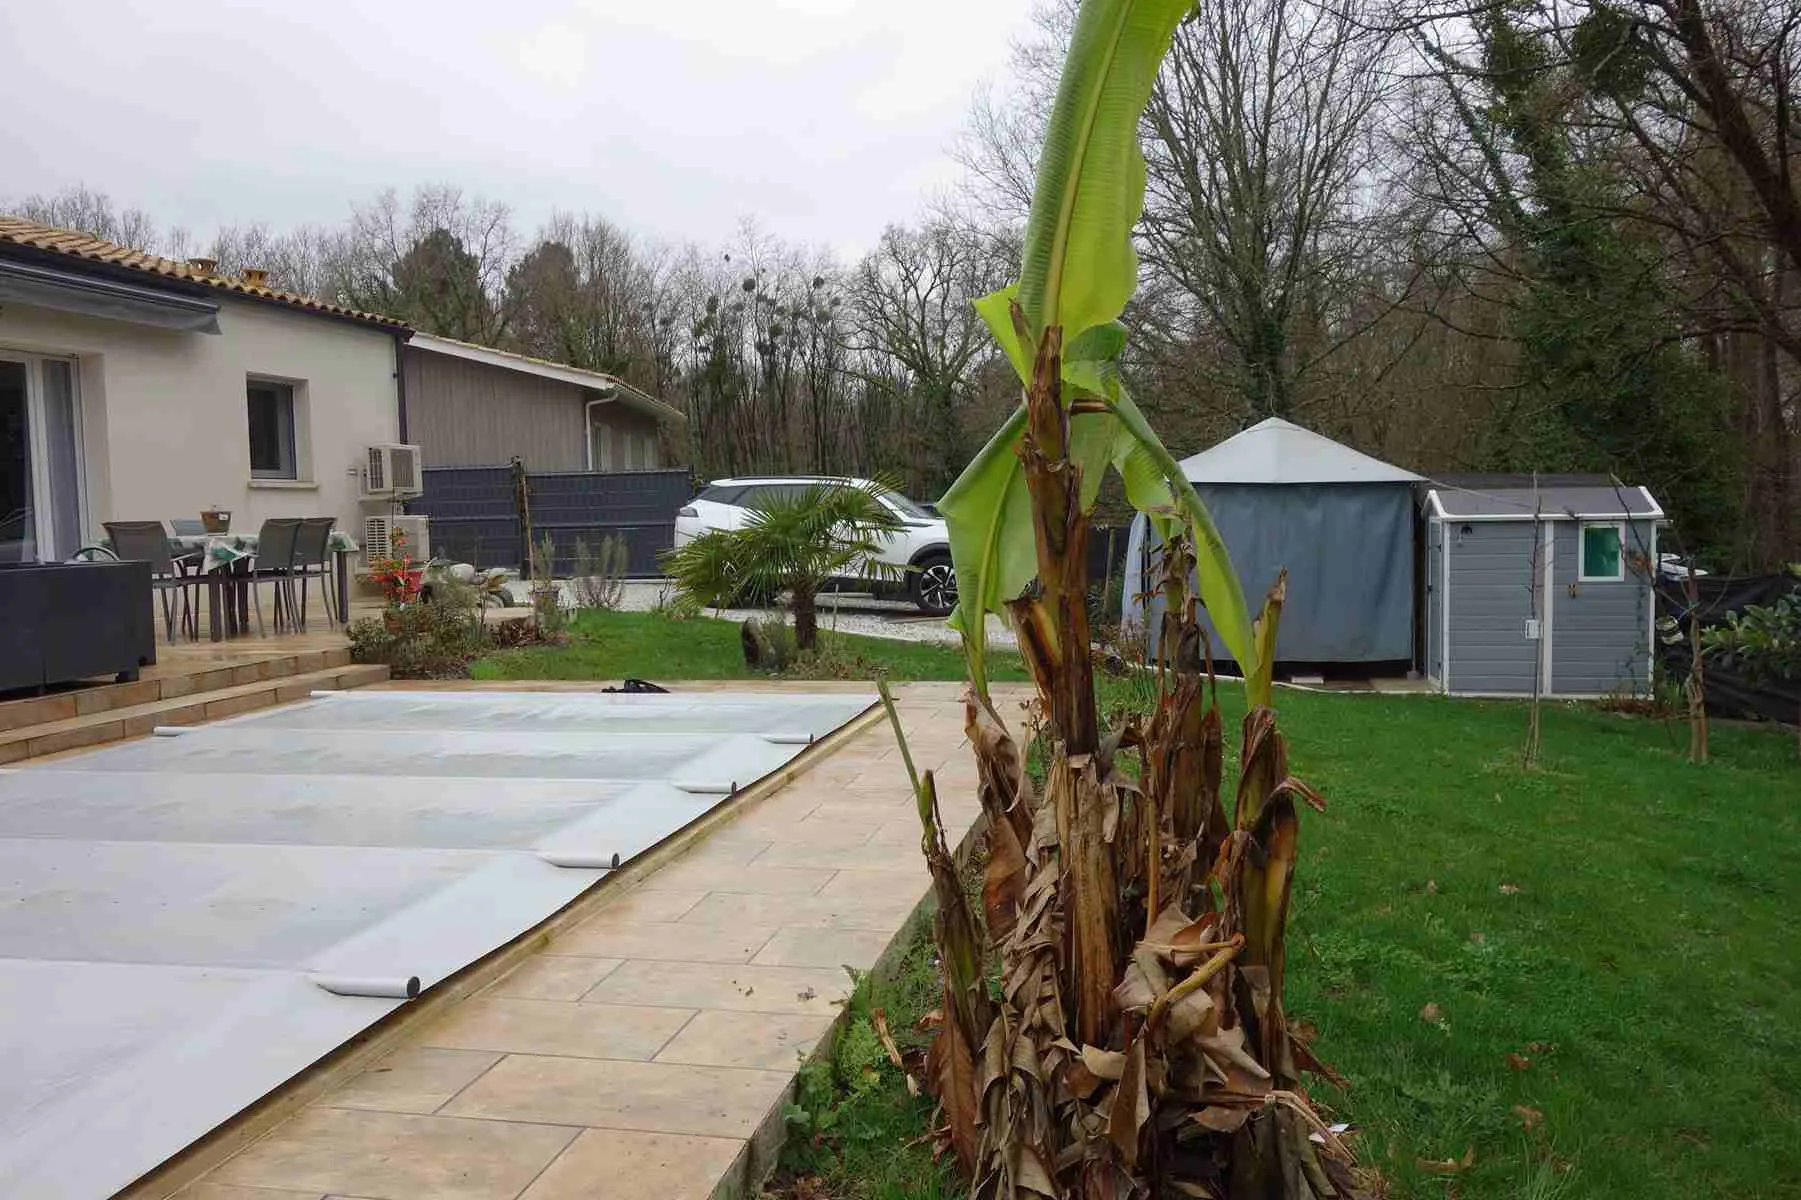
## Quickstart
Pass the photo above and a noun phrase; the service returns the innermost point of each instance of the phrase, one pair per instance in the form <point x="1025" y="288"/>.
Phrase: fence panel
<point x="474" y="517"/>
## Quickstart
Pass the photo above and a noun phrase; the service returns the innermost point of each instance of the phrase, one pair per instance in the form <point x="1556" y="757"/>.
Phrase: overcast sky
<point x="824" y="119"/>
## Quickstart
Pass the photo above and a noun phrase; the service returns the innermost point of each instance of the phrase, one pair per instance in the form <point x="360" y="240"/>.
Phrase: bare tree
<point x="91" y="212"/>
<point x="1266" y="199"/>
<point x="1704" y="98"/>
<point x="912" y="319"/>
<point x="441" y="263"/>
<point x="1261" y="194"/>
<point x="1668" y="114"/>
<point x="309" y="259"/>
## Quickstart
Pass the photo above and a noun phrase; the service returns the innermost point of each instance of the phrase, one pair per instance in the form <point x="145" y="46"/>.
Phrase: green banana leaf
<point x="988" y="513"/>
<point x="1078" y="271"/>
<point x="1151" y="473"/>
<point x="1079" y="268"/>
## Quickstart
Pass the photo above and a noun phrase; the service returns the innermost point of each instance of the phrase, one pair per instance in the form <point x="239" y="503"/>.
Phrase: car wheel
<point x="935" y="585"/>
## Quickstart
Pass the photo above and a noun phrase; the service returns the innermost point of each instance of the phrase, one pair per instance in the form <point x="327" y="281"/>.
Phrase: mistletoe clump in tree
<point x="1137" y="1045"/>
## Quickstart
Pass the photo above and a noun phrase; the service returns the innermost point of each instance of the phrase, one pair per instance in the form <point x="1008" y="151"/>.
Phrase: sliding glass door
<point x="40" y="459"/>
<point x="18" y="512"/>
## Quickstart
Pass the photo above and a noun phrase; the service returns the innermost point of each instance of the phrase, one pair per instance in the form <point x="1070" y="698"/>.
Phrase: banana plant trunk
<point x="1054" y="638"/>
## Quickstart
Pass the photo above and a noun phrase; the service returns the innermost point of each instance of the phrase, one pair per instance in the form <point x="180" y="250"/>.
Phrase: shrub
<point x="418" y="641"/>
<point x="511" y="632"/>
<point x="599" y="579"/>
<point x="397" y="575"/>
<point x="768" y="645"/>
<point x="547" y="596"/>
<point x="423" y="640"/>
<point x="1762" y="640"/>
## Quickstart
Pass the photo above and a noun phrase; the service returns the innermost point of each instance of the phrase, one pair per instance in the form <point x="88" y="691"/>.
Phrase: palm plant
<point x="1138" y="1044"/>
<point x="796" y="544"/>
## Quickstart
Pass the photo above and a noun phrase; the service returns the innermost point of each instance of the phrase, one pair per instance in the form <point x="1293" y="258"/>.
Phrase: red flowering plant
<point x="398" y="578"/>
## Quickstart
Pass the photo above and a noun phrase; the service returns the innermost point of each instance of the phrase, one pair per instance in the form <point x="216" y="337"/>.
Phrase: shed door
<point x="1492" y="584"/>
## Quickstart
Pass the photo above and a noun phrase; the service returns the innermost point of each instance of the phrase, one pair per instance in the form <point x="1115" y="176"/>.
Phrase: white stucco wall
<point x="164" y="421"/>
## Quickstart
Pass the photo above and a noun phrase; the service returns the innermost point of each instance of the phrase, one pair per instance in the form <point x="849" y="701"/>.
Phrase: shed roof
<point x="69" y="244"/>
<point x="599" y="381"/>
<point x="1557" y="501"/>
<point x="1275" y="451"/>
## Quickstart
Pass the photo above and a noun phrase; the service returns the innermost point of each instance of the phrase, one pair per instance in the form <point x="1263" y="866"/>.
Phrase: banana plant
<point x="1137" y="1045"/>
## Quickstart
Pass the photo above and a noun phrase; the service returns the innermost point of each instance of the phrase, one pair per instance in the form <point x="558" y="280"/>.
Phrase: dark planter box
<point x="60" y="622"/>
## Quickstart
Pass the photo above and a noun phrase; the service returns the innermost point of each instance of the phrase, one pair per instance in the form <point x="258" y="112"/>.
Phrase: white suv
<point x="922" y="545"/>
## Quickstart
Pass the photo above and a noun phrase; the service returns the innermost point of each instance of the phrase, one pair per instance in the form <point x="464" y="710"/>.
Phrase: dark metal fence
<point x="474" y="514"/>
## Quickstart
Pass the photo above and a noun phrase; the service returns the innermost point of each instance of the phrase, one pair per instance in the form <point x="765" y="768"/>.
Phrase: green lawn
<point x="1620" y="922"/>
<point x="1647" y="967"/>
<point x="660" y="647"/>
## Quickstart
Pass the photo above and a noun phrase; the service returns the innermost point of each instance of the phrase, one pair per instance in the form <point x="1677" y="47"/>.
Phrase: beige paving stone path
<point x="645" y="1053"/>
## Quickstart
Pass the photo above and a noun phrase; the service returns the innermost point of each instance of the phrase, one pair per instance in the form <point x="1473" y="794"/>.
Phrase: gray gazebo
<point x="1341" y="522"/>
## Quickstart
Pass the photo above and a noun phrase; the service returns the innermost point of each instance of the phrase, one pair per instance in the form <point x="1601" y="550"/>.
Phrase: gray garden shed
<point x="1341" y="523"/>
<point x="1553" y="580"/>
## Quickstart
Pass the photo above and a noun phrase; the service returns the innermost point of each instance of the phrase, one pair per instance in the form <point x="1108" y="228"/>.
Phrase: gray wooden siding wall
<point x="471" y="414"/>
<point x="1491" y="572"/>
<point x="1600" y="639"/>
<point x="1435" y="586"/>
<point x="1600" y="630"/>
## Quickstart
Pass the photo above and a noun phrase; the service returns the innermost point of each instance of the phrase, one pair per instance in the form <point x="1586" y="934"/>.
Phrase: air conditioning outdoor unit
<point x="378" y="537"/>
<point x="392" y="473"/>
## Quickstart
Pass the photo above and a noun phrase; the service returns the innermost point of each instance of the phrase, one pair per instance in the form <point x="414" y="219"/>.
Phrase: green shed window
<point x="1602" y="552"/>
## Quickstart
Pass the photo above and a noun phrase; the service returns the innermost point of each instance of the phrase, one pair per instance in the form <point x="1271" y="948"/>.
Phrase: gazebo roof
<point x="1278" y="452"/>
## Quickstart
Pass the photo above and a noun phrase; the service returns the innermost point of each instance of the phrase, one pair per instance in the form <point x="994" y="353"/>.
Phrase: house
<point x="1340" y="522"/>
<point x="134" y="387"/>
<point x="472" y="406"/>
<point x="1548" y="582"/>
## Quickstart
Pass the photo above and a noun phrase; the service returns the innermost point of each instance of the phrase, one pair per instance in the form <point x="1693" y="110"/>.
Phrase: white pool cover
<point x="188" y="921"/>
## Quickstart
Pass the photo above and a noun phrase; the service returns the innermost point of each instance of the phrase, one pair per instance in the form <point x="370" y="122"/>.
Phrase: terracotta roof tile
<point x="15" y="231"/>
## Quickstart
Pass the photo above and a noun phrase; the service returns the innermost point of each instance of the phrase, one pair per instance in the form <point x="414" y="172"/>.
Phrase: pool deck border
<point x="623" y="1039"/>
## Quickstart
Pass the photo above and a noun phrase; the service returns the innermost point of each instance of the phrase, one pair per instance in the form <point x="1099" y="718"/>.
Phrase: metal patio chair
<point x="276" y="543"/>
<point x="187" y="527"/>
<point x="312" y="560"/>
<point x="148" y="541"/>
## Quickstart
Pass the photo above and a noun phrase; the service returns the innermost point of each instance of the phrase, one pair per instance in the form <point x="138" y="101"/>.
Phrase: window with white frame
<point x="274" y="452"/>
<point x="1603" y="551"/>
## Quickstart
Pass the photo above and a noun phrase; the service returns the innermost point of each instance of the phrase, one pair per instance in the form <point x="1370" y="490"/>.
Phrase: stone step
<point x="163" y="682"/>
<point x="137" y="720"/>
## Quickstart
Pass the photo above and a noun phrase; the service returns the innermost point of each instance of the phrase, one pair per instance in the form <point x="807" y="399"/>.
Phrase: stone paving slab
<point x="646" y="1051"/>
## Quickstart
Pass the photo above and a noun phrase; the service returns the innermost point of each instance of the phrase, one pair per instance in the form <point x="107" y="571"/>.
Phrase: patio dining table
<point x="226" y="560"/>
